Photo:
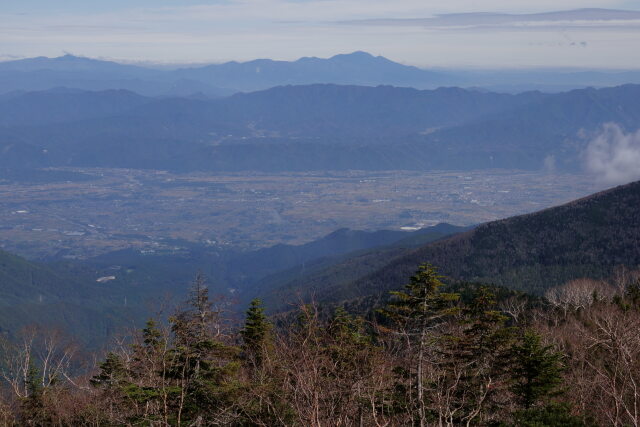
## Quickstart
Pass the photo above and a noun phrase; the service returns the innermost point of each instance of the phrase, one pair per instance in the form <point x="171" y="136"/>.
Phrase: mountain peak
<point x="358" y="54"/>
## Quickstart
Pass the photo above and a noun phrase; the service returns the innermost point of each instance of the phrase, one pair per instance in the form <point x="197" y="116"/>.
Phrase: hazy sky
<point x="409" y="31"/>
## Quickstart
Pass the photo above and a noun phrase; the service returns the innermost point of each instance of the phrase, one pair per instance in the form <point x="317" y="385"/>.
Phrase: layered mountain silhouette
<point x="357" y="68"/>
<point x="299" y="128"/>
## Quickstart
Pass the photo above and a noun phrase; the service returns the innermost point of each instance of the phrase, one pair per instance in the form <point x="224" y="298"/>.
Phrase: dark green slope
<point x="21" y="280"/>
<point x="66" y="294"/>
<point x="588" y="237"/>
<point x="585" y="238"/>
<point x="32" y="293"/>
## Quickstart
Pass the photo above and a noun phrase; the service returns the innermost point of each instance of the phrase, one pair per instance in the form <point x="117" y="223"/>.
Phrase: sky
<point x="416" y="32"/>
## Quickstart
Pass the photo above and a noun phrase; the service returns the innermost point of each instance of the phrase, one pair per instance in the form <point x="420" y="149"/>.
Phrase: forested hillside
<point x="477" y="356"/>
<point x="589" y="237"/>
<point x="33" y="294"/>
<point x="138" y="285"/>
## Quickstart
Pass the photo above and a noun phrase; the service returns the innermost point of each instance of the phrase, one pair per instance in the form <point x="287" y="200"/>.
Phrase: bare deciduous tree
<point x="578" y="294"/>
<point x="515" y="306"/>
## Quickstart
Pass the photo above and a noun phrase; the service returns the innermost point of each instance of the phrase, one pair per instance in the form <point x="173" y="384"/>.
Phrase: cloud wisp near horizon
<point x="503" y="34"/>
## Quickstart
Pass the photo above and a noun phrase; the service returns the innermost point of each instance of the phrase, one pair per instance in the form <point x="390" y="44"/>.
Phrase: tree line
<point x="431" y="356"/>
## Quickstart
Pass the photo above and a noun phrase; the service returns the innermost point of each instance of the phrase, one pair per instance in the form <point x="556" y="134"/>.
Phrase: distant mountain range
<point x="357" y="68"/>
<point x="589" y="237"/>
<point x="313" y="127"/>
<point x="36" y="74"/>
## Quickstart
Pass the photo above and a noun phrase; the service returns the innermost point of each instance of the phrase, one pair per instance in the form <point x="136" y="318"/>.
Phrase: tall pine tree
<point x="416" y="311"/>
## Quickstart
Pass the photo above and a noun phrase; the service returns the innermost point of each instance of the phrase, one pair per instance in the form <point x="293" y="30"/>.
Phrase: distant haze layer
<point x="460" y="33"/>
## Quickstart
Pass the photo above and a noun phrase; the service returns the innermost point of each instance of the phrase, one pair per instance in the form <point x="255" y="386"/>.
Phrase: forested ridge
<point x="588" y="237"/>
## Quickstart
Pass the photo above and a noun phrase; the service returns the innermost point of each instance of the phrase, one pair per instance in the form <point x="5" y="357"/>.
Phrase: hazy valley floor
<point x="77" y="213"/>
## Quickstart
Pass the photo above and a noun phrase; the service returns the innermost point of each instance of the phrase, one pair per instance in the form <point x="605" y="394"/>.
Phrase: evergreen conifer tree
<point x="416" y="310"/>
<point x="202" y="364"/>
<point x="33" y="408"/>
<point x="112" y="372"/>
<point x="475" y="362"/>
<point x="536" y="370"/>
<point x="255" y="334"/>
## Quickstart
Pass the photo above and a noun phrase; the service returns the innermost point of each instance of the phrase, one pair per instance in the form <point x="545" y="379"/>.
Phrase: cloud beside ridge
<point x="613" y="156"/>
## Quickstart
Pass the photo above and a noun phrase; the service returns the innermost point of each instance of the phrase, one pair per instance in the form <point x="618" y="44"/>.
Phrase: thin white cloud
<point x="582" y="18"/>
